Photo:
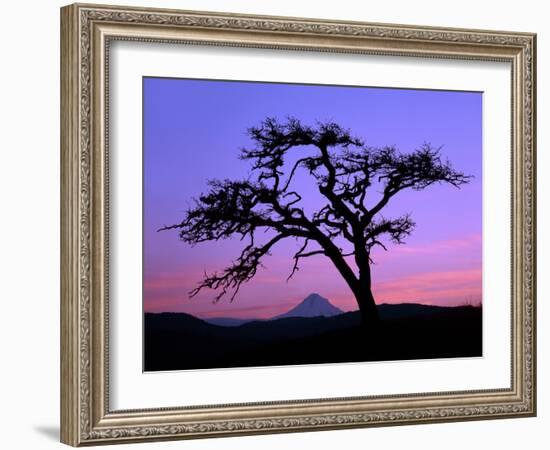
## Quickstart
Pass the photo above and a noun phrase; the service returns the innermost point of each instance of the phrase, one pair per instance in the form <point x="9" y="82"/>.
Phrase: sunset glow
<point x="193" y="130"/>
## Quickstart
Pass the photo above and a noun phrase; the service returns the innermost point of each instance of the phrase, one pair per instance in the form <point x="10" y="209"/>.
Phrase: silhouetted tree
<point x="345" y="170"/>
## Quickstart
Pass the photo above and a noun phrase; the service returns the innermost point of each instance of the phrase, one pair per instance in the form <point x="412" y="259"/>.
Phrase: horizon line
<point x="458" y="305"/>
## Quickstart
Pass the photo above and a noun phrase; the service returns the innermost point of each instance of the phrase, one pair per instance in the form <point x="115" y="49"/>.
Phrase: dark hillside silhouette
<point x="178" y="341"/>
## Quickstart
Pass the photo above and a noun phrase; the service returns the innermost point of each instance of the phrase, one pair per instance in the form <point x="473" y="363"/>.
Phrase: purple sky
<point x="193" y="130"/>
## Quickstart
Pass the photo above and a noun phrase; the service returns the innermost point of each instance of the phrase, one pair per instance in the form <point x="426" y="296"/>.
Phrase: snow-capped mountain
<point x="312" y="306"/>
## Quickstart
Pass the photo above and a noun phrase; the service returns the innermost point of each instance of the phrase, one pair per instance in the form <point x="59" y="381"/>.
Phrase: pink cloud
<point x="403" y="274"/>
<point x="472" y="241"/>
<point x="257" y="311"/>
<point x="449" y="287"/>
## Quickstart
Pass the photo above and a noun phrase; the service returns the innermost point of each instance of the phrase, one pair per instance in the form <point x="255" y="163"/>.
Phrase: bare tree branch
<point x="302" y="254"/>
<point x="241" y="271"/>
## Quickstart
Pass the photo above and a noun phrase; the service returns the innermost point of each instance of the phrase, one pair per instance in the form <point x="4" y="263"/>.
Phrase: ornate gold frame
<point x="86" y="31"/>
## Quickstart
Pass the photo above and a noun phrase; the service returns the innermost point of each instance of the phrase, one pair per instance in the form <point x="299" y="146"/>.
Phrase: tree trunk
<point x="360" y="286"/>
<point x="367" y="307"/>
<point x="365" y="300"/>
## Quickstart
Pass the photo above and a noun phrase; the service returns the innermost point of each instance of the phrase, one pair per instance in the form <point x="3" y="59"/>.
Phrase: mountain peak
<point x="314" y="305"/>
<point x="314" y="296"/>
<point x="314" y="299"/>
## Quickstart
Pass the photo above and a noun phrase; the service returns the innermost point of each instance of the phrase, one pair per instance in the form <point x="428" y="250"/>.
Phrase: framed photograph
<point x="278" y="224"/>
